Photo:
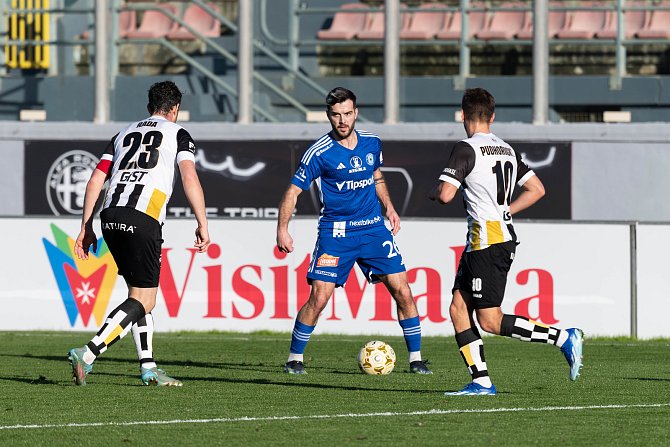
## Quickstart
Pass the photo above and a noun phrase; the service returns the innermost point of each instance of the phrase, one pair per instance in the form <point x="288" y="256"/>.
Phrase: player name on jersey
<point x="496" y="150"/>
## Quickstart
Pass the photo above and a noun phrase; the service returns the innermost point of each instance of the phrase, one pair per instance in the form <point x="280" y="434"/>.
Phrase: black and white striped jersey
<point x="140" y="164"/>
<point x="486" y="169"/>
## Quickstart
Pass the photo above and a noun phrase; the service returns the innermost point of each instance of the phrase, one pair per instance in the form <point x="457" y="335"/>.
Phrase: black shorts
<point x="482" y="274"/>
<point x="135" y="240"/>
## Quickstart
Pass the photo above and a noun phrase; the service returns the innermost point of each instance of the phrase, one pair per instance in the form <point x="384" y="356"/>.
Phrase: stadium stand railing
<point x="573" y="28"/>
<point x="509" y="21"/>
<point x="431" y="33"/>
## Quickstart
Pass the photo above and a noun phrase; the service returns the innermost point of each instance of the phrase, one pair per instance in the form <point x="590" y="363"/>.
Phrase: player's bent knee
<point x="490" y="325"/>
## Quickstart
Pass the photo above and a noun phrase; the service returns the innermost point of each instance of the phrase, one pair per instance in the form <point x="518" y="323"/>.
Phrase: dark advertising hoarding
<point x="246" y="179"/>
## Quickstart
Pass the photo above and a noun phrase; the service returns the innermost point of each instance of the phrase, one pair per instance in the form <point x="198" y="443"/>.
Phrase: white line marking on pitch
<point x="328" y="416"/>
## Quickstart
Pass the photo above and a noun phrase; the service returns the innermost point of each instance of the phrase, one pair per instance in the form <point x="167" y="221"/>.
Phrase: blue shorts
<point x="375" y="252"/>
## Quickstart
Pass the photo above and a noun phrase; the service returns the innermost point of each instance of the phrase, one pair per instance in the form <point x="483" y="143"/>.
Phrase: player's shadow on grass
<point x="41" y="380"/>
<point x="257" y="367"/>
<point x="649" y="379"/>
<point x="302" y="384"/>
<point x="180" y="363"/>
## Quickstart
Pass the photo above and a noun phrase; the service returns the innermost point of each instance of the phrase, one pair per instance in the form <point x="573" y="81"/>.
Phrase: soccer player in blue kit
<point x="346" y="164"/>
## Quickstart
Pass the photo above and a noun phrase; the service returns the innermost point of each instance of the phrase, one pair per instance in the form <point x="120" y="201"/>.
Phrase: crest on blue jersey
<point x="370" y="159"/>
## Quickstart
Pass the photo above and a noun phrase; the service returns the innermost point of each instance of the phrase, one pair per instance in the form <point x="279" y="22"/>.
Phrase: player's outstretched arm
<point x="87" y="237"/>
<point x="286" y="207"/>
<point x="385" y="199"/>
<point x="196" y="198"/>
<point x="533" y="190"/>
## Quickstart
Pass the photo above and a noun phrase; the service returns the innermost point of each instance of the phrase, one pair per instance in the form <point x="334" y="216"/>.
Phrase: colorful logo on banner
<point x="85" y="286"/>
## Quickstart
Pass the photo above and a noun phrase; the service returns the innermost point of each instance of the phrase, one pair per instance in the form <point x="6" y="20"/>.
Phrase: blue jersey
<point x="346" y="183"/>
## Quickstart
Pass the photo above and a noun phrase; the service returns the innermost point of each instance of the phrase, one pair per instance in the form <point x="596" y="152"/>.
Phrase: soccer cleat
<point x="79" y="367"/>
<point x="294" y="367"/>
<point x="419" y="367"/>
<point x="474" y="389"/>
<point x="155" y="376"/>
<point x="572" y="350"/>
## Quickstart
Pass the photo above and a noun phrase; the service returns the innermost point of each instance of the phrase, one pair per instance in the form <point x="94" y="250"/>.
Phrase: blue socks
<point x="411" y="330"/>
<point x="300" y="337"/>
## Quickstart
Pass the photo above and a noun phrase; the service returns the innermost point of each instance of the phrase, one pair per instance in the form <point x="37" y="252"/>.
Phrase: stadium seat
<point x="504" y="25"/>
<point x="555" y="22"/>
<point x="658" y="26"/>
<point x="634" y="21"/>
<point x="425" y="24"/>
<point x="374" y="29"/>
<point x="155" y="24"/>
<point x="200" y="20"/>
<point x="583" y="23"/>
<point x="345" y="25"/>
<point x="452" y="30"/>
<point x="127" y="22"/>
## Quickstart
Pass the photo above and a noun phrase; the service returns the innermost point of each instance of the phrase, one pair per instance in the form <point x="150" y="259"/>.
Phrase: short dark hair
<point x="163" y="96"/>
<point x="339" y="95"/>
<point x="478" y="105"/>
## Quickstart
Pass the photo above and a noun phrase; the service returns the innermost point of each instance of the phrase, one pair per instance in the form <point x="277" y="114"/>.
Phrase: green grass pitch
<point x="235" y="393"/>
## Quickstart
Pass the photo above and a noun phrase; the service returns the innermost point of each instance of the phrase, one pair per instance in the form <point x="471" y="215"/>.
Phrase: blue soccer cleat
<point x="294" y="367"/>
<point x="155" y="376"/>
<point x="474" y="389"/>
<point x="572" y="350"/>
<point x="79" y="367"/>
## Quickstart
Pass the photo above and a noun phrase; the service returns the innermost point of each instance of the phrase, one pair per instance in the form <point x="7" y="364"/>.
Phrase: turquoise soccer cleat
<point x="79" y="367"/>
<point x="155" y="376"/>
<point x="572" y="350"/>
<point x="474" y="389"/>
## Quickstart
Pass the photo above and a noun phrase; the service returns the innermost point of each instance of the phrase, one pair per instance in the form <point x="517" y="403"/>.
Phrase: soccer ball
<point x="376" y="358"/>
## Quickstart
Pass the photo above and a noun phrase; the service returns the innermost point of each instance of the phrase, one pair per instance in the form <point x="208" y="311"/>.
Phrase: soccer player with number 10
<point x="486" y="168"/>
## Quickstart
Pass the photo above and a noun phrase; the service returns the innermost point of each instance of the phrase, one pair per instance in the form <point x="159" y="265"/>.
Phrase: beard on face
<point x="346" y="133"/>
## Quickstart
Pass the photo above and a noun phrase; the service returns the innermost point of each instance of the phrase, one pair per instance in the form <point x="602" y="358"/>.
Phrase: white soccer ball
<point x="376" y="358"/>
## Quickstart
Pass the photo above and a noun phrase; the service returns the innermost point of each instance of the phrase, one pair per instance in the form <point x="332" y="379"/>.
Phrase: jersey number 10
<point x="503" y="173"/>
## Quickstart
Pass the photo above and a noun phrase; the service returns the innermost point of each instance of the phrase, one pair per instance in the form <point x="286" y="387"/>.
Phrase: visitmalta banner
<point x="564" y="274"/>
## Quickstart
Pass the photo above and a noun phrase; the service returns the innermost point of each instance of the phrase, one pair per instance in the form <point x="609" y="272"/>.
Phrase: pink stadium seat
<point x="374" y="29"/>
<point x="425" y="24"/>
<point x="155" y="24"/>
<point x="504" y="25"/>
<point x="127" y="22"/>
<point x="452" y="30"/>
<point x="345" y="25"/>
<point x="658" y="26"/>
<point x="555" y="22"/>
<point x="200" y="20"/>
<point x="634" y="21"/>
<point x="583" y="24"/>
